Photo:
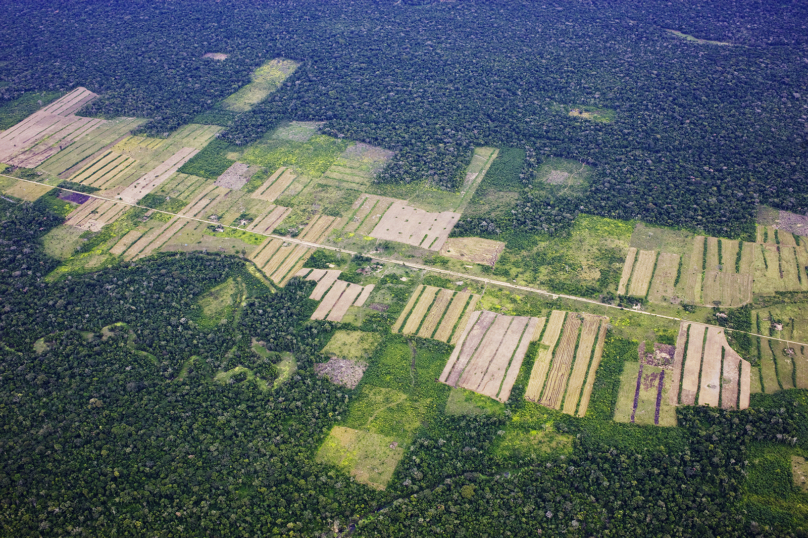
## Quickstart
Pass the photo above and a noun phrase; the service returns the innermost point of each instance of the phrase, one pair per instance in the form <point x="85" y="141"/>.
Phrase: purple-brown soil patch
<point x="662" y="356"/>
<point x="659" y="395"/>
<point x="639" y="384"/>
<point x="73" y="197"/>
<point x="344" y="372"/>
<point x="378" y="307"/>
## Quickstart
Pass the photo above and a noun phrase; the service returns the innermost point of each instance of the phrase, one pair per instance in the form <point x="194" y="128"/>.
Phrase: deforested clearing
<point x="473" y="250"/>
<point x="359" y="164"/>
<point x="452" y="314"/>
<point x="344" y="372"/>
<point x="236" y="176"/>
<point x="690" y="377"/>
<point x="643" y="271"/>
<point x="219" y="56"/>
<point x="265" y="80"/>
<point x="368" y="457"/>
<point x="355" y="345"/>
<point x="340" y="297"/>
<point x="693" y="277"/>
<point x="436" y="311"/>
<point x="420" y="310"/>
<point x="407" y="224"/>
<point x="583" y="405"/>
<point x="589" y="332"/>
<point x="489" y="354"/>
<point x="545" y="356"/>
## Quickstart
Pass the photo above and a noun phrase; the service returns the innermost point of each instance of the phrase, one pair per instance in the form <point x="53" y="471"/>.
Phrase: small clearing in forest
<point x="345" y="372"/>
<point x="355" y="345"/>
<point x="219" y="56"/>
<point x="368" y="457"/>
<point x="265" y="80"/>
<point x="473" y="249"/>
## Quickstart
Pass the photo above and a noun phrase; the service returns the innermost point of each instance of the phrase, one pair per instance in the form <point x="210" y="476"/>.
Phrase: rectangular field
<point x="546" y="348"/>
<point x="589" y="333"/>
<point x="643" y="271"/>
<point x="709" y="390"/>
<point x="406" y="224"/>
<point x="561" y="364"/>
<point x="662" y="286"/>
<point x="593" y="369"/>
<point x="690" y="376"/>
<point x="435" y="314"/>
<point x="628" y="267"/>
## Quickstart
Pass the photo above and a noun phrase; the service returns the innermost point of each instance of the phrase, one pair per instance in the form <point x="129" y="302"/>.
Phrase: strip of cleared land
<point x="435" y="313"/>
<point x="643" y="271"/>
<point x="628" y="267"/>
<point x="593" y="369"/>
<point x="542" y="364"/>
<point x="690" y="378"/>
<point x="451" y="316"/>
<point x="562" y="361"/>
<point x="589" y="333"/>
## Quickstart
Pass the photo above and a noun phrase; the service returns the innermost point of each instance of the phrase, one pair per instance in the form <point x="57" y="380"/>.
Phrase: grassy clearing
<point x="591" y="113"/>
<point x="354" y="345"/>
<point x="297" y="131"/>
<point x="518" y="443"/>
<point x="239" y="374"/>
<point x="286" y="369"/>
<point x="466" y="402"/>
<point x="587" y="260"/>
<point x="500" y="189"/>
<point x="62" y="242"/>
<point x="563" y="173"/>
<point x="312" y="157"/>
<point x="218" y="304"/>
<point x="369" y="457"/>
<point x="322" y="198"/>
<point x="15" y="111"/>
<point x="265" y="80"/>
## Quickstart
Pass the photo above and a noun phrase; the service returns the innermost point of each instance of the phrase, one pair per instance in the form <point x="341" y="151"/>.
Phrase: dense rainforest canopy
<point x="696" y="134"/>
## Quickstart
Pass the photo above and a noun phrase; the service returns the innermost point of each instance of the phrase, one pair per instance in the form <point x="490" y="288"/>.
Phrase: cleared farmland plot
<point x="47" y="131"/>
<point x="561" y="364"/>
<point x="473" y="250"/>
<point x="24" y="190"/>
<point x="274" y="186"/>
<point x="628" y="267"/>
<point x="711" y="369"/>
<point x="434" y="313"/>
<point x="407" y="224"/>
<point x="545" y="357"/>
<point x="642" y="273"/>
<point x="236" y="176"/>
<point x="338" y="297"/>
<point x="489" y="354"/>
<point x="663" y="285"/>
<point x="693" y="277"/>
<point x="150" y="181"/>
<point x="577" y="378"/>
<point x="96" y="214"/>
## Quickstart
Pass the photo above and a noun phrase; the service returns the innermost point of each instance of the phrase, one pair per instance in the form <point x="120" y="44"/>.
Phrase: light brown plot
<point x="259" y="249"/>
<point x="476" y="369"/>
<point x="373" y="218"/>
<point x="730" y="380"/>
<point x="278" y="258"/>
<point x="407" y="224"/>
<point x="729" y="253"/>
<point x="801" y="366"/>
<point x="345" y="301"/>
<point x="313" y="231"/>
<point x="81" y="212"/>
<point x="303" y="272"/>
<point x="767" y="279"/>
<point x="363" y="297"/>
<point x="690" y="377"/>
<point x="694" y="272"/>
<point x="747" y="258"/>
<point x="792" y="279"/>
<point x="111" y="176"/>
<point x="628" y="267"/>
<point x="144" y="241"/>
<point x="450" y="364"/>
<point x="270" y="220"/>
<point x="453" y="313"/>
<point x="420" y="310"/>
<point x="315" y="274"/>
<point x="461" y="325"/>
<point x="99" y="173"/>
<point x="589" y="332"/>
<point x="545" y="356"/>
<point x="411" y="303"/>
<point x="367" y="205"/>
<point x="300" y="263"/>
<point x="263" y="257"/>
<point x="191" y="208"/>
<point x="712" y="254"/>
<point x="746" y="382"/>
<point x="88" y="173"/>
<point x="711" y="368"/>
<point x="330" y="300"/>
<point x="593" y="369"/>
<point x="279" y="275"/>
<point x="562" y="362"/>
<point x="786" y="239"/>
<point x="534" y="327"/>
<point x="176" y="225"/>
<point x="500" y="362"/>
<point x="153" y="179"/>
<point x="324" y="284"/>
<point x="643" y="271"/>
<point x="469" y="346"/>
<point x="268" y="183"/>
<point x="276" y="189"/>
<point x="125" y="242"/>
<point x="678" y="356"/>
<point x="662" y="287"/>
<point x="435" y="313"/>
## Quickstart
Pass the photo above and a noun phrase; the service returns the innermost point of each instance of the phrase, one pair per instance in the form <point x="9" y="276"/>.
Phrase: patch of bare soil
<point x="557" y="177"/>
<point x="473" y="249"/>
<point x="344" y="372"/>
<point x="793" y="223"/>
<point x="216" y="56"/>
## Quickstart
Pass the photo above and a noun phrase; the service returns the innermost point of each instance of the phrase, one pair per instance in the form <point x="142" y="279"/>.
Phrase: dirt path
<point x="416" y="266"/>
